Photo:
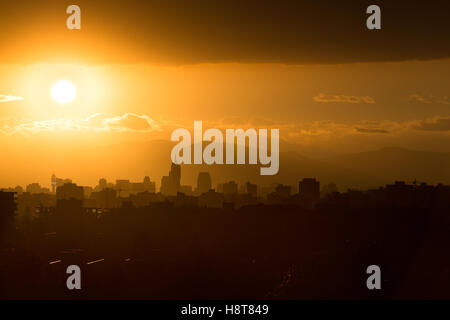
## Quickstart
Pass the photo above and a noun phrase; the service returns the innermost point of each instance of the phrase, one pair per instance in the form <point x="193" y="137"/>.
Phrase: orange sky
<point x="319" y="108"/>
<point x="138" y="77"/>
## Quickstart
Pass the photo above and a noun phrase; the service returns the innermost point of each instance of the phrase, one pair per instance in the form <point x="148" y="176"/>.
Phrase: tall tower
<point x="53" y="183"/>
<point x="203" y="182"/>
<point x="175" y="177"/>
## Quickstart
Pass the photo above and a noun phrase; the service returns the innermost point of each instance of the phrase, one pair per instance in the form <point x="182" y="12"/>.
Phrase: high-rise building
<point x="165" y="186"/>
<point x="57" y="182"/>
<point x="170" y="185"/>
<point x="175" y="176"/>
<point x="102" y="184"/>
<point x="203" y="182"/>
<point x="53" y="182"/>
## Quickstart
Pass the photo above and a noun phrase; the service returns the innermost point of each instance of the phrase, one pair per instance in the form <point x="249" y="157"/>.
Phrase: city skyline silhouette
<point x="130" y="231"/>
<point x="210" y="150"/>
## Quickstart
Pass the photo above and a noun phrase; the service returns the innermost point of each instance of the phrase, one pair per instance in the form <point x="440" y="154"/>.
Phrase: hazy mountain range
<point x="355" y="170"/>
<point x="135" y="160"/>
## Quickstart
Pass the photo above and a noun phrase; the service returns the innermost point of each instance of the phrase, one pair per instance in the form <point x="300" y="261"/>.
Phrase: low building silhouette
<point x="8" y="206"/>
<point x="69" y="191"/>
<point x="282" y="194"/>
<point x="211" y="199"/>
<point x="106" y="198"/>
<point x="230" y="188"/>
<point x="35" y="188"/>
<point x="251" y="189"/>
<point x="309" y="188"/>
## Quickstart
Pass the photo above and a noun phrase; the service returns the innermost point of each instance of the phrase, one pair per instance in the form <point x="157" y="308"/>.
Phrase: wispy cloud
<point x="100" y="122"/>
<point x="8" y="98"/>
<point x="435" y="124"/>
<point x="326" y="98"/>
<point x="415" y="97"/>
<point x="444" y="100"/>
<point x="131" y="122"/>
<point x="370" y="130"/>
<point x="325" y="130"/>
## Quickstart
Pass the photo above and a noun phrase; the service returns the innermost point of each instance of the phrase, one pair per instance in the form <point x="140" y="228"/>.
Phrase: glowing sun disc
<point x="63" y="91"/>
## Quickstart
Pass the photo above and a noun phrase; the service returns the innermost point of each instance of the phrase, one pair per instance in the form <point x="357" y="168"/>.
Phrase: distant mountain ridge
<point x="356" y="170"/>
<point x="135" y="160"/>
<point x="393" y="163"/>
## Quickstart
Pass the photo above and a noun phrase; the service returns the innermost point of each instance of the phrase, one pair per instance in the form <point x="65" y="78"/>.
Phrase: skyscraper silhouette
<point x="203" y="182"/>
<point x="170" y="185"/>
<point x="175" y="176"/>
<point x="53" y="183"/>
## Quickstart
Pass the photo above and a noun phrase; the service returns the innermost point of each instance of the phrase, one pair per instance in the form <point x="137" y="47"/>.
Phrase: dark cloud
<point x="186" y="32"/>
<point x="437" y="124"/>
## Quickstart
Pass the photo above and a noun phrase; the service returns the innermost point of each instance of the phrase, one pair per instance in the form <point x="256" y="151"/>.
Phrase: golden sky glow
<point x="331" y="109"/>
<point x="137" y="77"/>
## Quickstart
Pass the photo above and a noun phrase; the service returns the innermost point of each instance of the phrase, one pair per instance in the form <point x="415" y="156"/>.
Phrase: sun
<point x="64" y="91"/>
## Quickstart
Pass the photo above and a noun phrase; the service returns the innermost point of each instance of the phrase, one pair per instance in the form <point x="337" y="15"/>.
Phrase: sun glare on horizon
<point x="64" y="91"/>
